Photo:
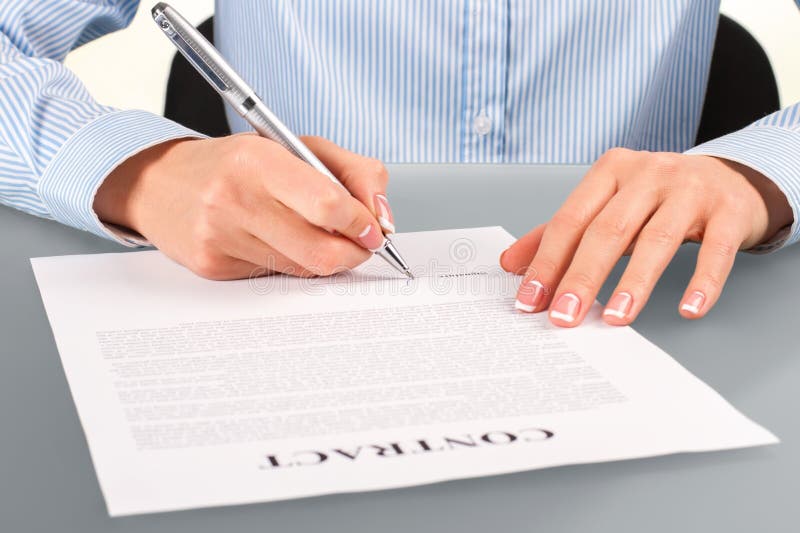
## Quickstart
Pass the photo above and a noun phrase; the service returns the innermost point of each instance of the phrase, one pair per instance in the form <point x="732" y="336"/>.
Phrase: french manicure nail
<point x="694" y="302"/>
<point x="566" y="308"/>
<point x="384" y="212"/>
<point x="529" y="296"/>
<point x="371" y="238"/>
<point x="619" y="305"/>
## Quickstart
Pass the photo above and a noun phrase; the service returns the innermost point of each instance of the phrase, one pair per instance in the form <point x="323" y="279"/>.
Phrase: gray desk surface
<point x="747" y="349"/>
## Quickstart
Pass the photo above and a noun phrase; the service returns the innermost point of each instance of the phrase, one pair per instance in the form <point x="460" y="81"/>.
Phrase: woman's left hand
<point x="646" y="204"/>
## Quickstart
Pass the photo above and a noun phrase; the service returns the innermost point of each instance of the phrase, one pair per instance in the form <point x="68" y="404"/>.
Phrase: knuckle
<point x="737" y="201"/>
<point x="214" y="195"/>
<point x="694" y="184"/>
<point x="722" y="247"/>
<point x="340" y="253"/>
<point x="581" y="281"/>
<point x="662" y="188"/>
<point x="326" y="258"/>
<point x="713" y="281"/>
<point x="204" y="233"/>
<point x="569" y="220"/>
<point x="319" y="264"/>
<point x="356" y="224"/>
<point x="244" y="153"/>
<point x="209" y="265"/>
<point x="614" y="158"/>
<point x="659" y="236"/>
<point x="664" y="165"/>
<point x="608" y="229"/>
<point x="545" y="266"/>
<point x="374" y="167"/>
<point x="637" y="278"/>
<point x="615" y="154"/>
<point x="235" y="153"/>
<point x="327" y="205"/>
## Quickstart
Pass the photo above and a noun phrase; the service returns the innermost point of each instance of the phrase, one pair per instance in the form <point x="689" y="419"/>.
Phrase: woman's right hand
<point x="231" y="206"/>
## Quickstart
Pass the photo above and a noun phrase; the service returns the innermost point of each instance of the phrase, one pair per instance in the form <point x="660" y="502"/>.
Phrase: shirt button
<point x="482" y="124"/>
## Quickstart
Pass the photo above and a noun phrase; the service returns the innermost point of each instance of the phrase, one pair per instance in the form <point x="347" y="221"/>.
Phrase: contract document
<point x="198" y="393"/>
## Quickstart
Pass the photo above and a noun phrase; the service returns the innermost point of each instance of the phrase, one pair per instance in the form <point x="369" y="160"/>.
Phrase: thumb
<point x="364" y="177"/>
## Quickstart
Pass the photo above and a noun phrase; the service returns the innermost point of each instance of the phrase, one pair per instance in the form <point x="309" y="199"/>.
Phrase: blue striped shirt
<point x="538" y="81"/>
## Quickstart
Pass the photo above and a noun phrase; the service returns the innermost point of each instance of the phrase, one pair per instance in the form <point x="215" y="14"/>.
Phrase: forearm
<point x="57" y="144"/>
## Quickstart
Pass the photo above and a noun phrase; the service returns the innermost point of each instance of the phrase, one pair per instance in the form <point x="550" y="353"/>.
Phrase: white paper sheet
<point x="198" y="393"/>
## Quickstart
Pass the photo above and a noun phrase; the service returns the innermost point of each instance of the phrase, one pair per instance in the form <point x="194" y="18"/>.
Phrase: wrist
<point x="779" y="211"/>
<point x="122" y="195"/>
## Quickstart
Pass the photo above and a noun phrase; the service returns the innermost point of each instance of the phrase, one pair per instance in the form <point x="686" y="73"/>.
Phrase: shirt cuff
<point x="774" y="152"/>
<point x="71" y="180"/>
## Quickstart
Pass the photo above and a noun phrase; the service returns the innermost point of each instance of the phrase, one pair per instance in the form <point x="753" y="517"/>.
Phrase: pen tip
<point x="409" y="274"/>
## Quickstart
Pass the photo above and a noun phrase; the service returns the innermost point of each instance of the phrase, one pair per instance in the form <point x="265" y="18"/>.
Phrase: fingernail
<point x="566" y="308"/>
<point x="371" y="238"/>
<point x="694" y="302"/>
<point x="619" y="305"/>
<point x="384" y="213"/>
<point x="529" y="296"/>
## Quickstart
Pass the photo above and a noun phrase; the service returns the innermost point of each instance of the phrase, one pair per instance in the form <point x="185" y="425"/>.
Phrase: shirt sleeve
<point x="772" y="147"/>
<point x="57" y="144"/>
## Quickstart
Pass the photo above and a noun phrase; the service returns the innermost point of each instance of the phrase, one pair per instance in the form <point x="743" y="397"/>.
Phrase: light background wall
<point x="128" y="69"/>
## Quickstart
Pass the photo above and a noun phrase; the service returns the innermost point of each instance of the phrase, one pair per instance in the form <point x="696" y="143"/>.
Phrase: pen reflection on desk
<point x="202" y="55"/>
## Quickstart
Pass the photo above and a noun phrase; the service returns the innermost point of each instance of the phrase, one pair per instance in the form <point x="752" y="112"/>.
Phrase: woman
<point x="619" y="82"/>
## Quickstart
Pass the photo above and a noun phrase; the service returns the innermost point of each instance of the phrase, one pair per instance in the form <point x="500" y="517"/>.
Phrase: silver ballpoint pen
<point x="213" y="67"/>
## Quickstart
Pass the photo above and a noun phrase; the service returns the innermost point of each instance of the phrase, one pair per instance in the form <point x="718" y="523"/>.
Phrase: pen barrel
<point x="269" y="126"/>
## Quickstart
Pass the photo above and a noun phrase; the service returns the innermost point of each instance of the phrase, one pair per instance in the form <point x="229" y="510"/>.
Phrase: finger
<point x="518" y="256"/>
<point x="308" y="246"/>
<point x="365" y="177"/>
<point x="723" y="236"/>
<point x="249" y="248"/>
<point x="560" y="238"/>
<point x="316" y="198"/>
<point x="655" y="246"/>
<point x="223" y="268"/>
<point x="601" y="247"/>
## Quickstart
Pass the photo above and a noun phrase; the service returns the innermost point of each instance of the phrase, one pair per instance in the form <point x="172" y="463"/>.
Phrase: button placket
<point x="484" y="70"/>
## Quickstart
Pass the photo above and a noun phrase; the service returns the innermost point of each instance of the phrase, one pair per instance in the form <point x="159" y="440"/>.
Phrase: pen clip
<point x="189" y="52"/>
